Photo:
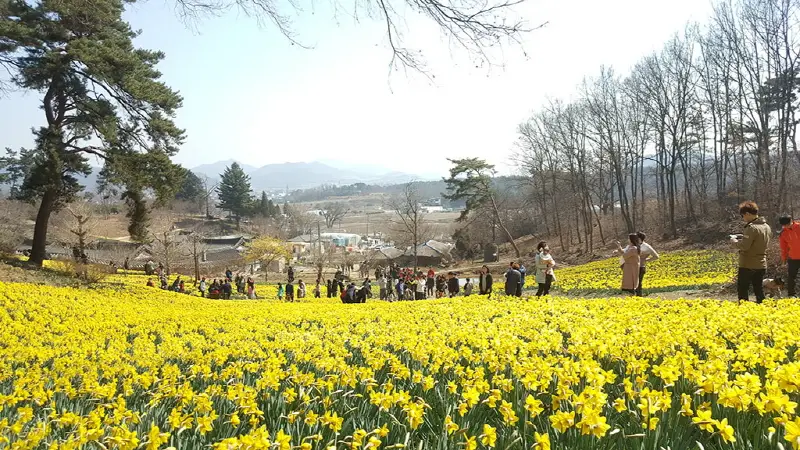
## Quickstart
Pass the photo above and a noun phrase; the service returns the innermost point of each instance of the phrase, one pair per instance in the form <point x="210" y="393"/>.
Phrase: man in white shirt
<point x="647" y="253"/>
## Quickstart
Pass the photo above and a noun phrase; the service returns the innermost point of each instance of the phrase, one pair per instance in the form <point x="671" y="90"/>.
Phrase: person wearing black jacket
<point x="452" y="284"/>
<point x="485" y="281"/>
<point x="513" y="279"/>
<point x="349" y="295"/>
<point x="289" y="292"/>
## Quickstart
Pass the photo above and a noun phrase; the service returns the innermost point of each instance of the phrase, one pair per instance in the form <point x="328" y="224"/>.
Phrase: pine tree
<point x="234" y="192"/>
<point x="139" y="215"/>
<point x="263" y="205"/>
<point x="101" y="97"/>
<point x="471" y="180"/>
<point x="192" y="189"/>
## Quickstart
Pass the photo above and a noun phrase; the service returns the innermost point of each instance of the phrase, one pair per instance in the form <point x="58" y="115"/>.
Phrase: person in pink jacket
<point x="630" y="264"/>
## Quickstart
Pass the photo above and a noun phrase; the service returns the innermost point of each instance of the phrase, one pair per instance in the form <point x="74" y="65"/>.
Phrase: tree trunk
<point x="503" y="227"/>
<point x="39" y="248"/>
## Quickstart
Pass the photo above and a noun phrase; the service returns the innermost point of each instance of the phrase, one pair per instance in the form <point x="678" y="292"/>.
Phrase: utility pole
<point x="196" y="263"/>
<point x="319" y="252"/>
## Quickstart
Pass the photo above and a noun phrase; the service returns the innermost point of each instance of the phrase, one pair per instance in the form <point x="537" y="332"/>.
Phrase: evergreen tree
<point x="234" y="192"/>
<point x="101" y="96"/>
<point x="263" y="205"/>
<point x="192" y="189"/>
<point x="471" y="180"/>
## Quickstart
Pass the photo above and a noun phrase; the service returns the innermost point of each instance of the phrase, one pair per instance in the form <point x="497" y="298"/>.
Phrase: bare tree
<point x="472" y="26"/>
<point x="334" y="212"/>
<point x="707" y="121"/>
<point x="167" y="245"/>
<point x="409" y="218"/>
<point x="209" y="188"/>
<point x="13" y="226"/>
<point x="298" y="222"/>
<point x="76" y="224"/>
<point x="197" y="248"/>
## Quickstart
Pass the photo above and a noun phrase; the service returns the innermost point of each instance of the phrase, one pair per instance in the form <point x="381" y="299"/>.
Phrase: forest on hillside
<point x="691" y="130"/>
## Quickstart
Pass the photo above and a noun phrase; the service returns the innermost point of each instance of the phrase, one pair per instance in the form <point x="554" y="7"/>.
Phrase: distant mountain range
<point x="307" y="175"/>
<point x="292" y="175"/>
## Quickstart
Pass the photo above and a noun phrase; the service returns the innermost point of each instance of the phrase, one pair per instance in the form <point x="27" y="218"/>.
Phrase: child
<point x="280" y="291"/>
<point x="468" y="287"/>
<point x="317" y="290"/>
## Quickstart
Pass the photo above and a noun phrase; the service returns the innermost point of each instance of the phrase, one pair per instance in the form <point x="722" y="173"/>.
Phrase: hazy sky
<point x="252" y="96"/>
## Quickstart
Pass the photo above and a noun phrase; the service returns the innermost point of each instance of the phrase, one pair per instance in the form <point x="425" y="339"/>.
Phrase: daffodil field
<point x="138" y="368"/>
<point x="688" y="269"/>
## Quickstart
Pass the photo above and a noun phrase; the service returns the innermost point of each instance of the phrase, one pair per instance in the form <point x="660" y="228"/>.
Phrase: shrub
<point x="90" y="273"/>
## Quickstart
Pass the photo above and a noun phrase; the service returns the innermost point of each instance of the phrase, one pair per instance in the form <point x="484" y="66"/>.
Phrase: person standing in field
<point x="452" y="284"/>
<point x="419" y="287"/>
<point x="485" y="281"/>
<point x="400" y="288"/>
<point x="203" y="287"/>
<point x="251" y="289"/>
<point x="368" y="285"/>
<point x="790" y="252"/>
<point x="317" y="289"/>
<point x="752" y="245"/>
<point x="543" y="265"/>
<point x="430" y="282"/>
<point x="468" y="287"/>
<point x="630" y="264"/>
<point x="280" y="291"/>
<point x="513" y="278"/>
<point x="648" y="254"/>
<point x="382" y="287"/>
<point x="289" y="292"/>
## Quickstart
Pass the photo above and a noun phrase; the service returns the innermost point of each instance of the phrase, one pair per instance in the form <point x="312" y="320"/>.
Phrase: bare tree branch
<point x="473" y="25"/>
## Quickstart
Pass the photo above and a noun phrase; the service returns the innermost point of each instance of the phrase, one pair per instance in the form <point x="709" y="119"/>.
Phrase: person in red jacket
<point x="790" y="251"/>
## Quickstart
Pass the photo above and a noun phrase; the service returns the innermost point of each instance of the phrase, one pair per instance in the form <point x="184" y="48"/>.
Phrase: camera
<point x="736" y="237"/>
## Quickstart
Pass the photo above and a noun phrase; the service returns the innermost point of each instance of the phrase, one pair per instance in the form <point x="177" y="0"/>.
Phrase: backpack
<point x="343" y="296"/>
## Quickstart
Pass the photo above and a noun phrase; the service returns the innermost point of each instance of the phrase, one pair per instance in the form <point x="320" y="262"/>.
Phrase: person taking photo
<point x="752" y="246"/>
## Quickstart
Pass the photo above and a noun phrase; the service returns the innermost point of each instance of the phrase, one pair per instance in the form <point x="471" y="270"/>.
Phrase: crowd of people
<point x="223" y="288"/>
<point x="218" y="288"/>
<point x="404" y="283"/>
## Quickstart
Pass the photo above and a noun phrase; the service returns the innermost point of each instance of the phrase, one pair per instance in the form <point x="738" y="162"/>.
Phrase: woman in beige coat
<point x="630" y="264"/>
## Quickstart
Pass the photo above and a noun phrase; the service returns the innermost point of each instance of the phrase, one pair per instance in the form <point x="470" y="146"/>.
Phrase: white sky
<point x="252" y="96"/>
